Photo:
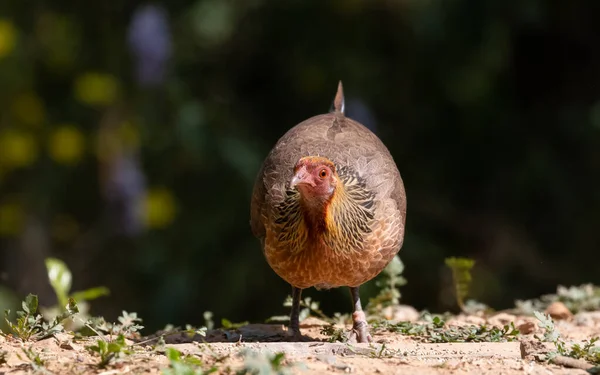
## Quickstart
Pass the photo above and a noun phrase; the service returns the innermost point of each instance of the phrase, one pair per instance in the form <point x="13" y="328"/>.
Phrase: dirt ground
<point x="248" y="346"/>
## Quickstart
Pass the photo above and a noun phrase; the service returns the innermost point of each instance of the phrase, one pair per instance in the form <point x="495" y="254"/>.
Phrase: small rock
<point x="401" y="313"/>
<point x="526" y="328"/>
<point x="558" y="310"/>
<point x="533" y="350"/>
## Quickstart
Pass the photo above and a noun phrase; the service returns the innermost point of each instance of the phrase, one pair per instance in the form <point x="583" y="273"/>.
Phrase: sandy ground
<point x="389" y="353"/>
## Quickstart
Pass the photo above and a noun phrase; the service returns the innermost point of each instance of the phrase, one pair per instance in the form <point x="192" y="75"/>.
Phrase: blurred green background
<point x="131" y="133"/>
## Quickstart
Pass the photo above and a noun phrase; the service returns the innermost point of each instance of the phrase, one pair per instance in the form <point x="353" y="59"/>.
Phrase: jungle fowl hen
<point x="329" y="208"/>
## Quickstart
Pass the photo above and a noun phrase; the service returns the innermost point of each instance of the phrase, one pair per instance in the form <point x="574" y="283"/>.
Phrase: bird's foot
<point x="360" y="329"/>
<point x="296" y="336"/>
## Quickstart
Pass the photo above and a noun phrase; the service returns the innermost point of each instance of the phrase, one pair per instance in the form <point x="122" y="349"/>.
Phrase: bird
<point x="329" y="209"/>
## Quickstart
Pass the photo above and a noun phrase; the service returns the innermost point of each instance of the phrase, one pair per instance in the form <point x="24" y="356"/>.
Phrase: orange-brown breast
<point x="293" y="255"/>
<point x="318" y="265"/>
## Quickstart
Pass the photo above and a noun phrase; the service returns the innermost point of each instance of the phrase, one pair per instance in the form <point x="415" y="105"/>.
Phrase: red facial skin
<point x="314" y="179"/>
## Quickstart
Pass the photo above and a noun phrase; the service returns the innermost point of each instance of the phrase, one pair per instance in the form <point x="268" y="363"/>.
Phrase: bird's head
<point x="315" y="178"/>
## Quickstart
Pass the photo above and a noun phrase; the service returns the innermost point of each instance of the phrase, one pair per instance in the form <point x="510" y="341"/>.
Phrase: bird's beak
<point x="301" y="177"/>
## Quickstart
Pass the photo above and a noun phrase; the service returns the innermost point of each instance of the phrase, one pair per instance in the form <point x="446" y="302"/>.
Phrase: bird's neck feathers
<point x="342" y="219"/>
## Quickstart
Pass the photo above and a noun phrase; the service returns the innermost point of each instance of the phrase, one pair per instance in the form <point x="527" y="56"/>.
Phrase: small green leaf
<point x="90" y="294"/>
<point x="227" y="324"/>
<point x="30" y="305"/>
<point x="71" y="307"/>
<point x="60" y="278"/>
<point x="114" y="347"/>
<point x="173" y="354"/>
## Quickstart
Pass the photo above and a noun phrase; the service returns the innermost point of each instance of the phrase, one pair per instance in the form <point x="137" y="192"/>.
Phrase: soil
<point x="389" y="353"/>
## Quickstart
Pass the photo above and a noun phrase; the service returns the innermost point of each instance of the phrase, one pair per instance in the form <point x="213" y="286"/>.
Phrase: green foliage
<point x="109" y="350"/>
<point x="60" y="278"/>
<point x="184" y="365"/>
<point x="588" y="351"/>
<point x="128" y="325"/>
<point x="334" y="334"/>
<point x="461" y="276"/>
<point x="308" y="307"/>
<point x="208" y="320"/>
<point x="390" y="280"/>
<point x="437" y="331"/>
<point x="227" y="324"/>
<point x="584" y="297"/>
<point x="31" y="326"/>
<point x="264" y="364"/>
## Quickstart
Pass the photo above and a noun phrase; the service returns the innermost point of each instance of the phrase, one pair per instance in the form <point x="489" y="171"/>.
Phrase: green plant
<point x="264" y="363"/>
<point x="187" y="365"/>
<point x="128" y="325"/>
<point x="208" y="320"/>
<point x="31" y="326"/>
<point x="437" y="331"/>
<point x="60" y="278"/>
<point x="390" y="280"/>
<point x="334" y="334"/>
<point x="227" y="324"/>
<point x="308" y="308"/>
<point x="588" y="351"/>
<point x="584" y="297"/>
<point x="109" y="350"/>
<point x="461" y="277"/>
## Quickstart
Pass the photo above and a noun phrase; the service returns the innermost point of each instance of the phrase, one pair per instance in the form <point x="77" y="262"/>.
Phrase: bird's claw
<point x="360" y="329"/>
<point x="296" y="336"/>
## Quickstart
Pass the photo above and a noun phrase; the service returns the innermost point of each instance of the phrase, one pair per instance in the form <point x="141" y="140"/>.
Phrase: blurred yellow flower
<point x="159" y="208"/>
<point x="66" y="145"/>
<point x="11" y="219"/>
<point x="8" y="37"/>
<point x="96" y="88"/>
<point x="28" y="109"/>
<point x="17" y="149"/>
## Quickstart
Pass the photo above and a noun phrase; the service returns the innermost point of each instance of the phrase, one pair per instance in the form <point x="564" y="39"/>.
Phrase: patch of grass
<point x="109" y="350"/>
<point x="128" y="326"/>
<point x="437" y="331"/>
<point x="390" y="281"/>
<point x="227" y="324"/>
<point x="264" y="364"/>
<point x="308" y="308"/>
<point x="185" y="365"/>
<point x="461" y="277"/>
<point x="588" y="351"/>
<point x="30" y="325"/>
<point x="111" y="345"/>
<point x="584" y="297"/>
<point x="334" y="334"/>
<point x="60" y="279"/>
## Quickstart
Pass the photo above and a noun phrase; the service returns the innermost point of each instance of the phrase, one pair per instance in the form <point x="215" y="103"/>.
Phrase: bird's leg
<point x="360" y="327"/>
<point x="295" y="314"/>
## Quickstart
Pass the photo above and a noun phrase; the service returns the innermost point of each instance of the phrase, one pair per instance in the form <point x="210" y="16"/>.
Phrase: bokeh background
<point x="131" y="134"/>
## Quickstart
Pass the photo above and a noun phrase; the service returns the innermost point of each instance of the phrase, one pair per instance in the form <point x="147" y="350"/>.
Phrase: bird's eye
<point x="323" y="173"/>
